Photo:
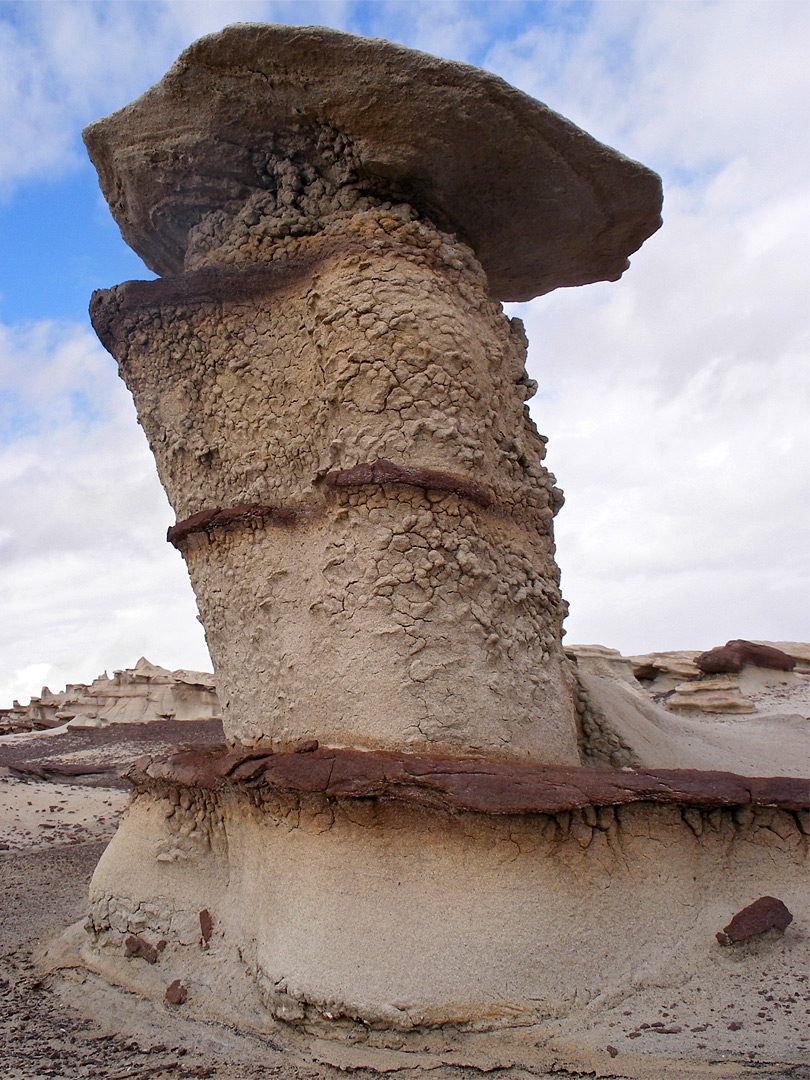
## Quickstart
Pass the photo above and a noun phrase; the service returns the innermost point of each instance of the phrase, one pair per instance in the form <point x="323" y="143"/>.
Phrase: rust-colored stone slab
<point x="735" y="655"/>
<point x="477" y="784"/>
<point x="386" y="472"/>
<point x="241" y="516"/>
<point x="373" y="474"/>
<point x="176" y="993"/>
<point x="206" y="926"/>
<point x="139" y="948"/>
<point x="764" y="914"/>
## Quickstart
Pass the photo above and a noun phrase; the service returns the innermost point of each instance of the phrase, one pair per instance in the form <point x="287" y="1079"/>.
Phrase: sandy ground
<point x="52" y="834"/>
<point x="53" y="829"/>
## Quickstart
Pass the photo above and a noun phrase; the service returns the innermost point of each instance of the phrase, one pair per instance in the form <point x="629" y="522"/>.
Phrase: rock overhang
<point x="566" y="211"/>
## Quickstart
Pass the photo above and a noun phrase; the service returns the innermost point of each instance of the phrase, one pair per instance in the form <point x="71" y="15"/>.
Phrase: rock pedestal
<point x="340" y="426"/>
<point x="399" y="844"/>
<point x="333" y="395"/>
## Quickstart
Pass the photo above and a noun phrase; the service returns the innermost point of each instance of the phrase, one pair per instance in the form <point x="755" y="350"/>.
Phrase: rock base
<point x="578" y="905"/>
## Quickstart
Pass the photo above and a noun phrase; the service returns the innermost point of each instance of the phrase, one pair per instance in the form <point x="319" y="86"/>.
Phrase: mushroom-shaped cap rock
<point x="540" y="201"/>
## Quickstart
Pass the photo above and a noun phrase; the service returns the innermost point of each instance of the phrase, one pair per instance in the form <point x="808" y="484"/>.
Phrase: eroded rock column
<point x="334" y="397"/>
<point x="339" y="420"/>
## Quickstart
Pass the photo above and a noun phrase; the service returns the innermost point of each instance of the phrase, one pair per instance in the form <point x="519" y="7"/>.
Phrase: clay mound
<point x="659" y="711"/>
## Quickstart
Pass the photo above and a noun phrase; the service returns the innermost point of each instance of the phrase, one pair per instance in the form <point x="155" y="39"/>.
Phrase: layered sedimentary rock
<point x="133" y="695"/>
<point x="380" y="568"/>
<point x="335" y="398"/>
<point x="358" y="906"/>
<point x="660" y="711"/>
<point x="336" y="403"/>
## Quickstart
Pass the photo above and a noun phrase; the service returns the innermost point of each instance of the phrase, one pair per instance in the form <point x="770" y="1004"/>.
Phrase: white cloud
<point x="676" y="400"/>
<point x="681" y="85"/>
<point x="87" y="579"/>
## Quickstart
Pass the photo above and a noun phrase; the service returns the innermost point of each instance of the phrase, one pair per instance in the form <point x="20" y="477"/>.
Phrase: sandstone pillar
<point x="333" y="395"/>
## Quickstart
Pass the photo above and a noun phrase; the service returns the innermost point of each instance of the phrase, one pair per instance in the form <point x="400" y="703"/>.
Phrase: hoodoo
<point x="402" y="835"/>
<point x="334" y="396"/>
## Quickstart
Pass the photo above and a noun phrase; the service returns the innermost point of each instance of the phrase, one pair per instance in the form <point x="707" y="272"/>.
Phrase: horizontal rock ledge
<point x="386" y="472"/>
<point x="375" y="474"/>
<point x="466" y="784"/>
<point x="208" y="287"/>
<point x="244" y="515"/>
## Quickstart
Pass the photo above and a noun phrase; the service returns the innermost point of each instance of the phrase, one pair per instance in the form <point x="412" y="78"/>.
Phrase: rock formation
<point x="660" y="711"/>
<point x="400" y="844"/>
<point x="735" y="655"/>
<point x="133" y="695"/>
<point x="334" y="397"/>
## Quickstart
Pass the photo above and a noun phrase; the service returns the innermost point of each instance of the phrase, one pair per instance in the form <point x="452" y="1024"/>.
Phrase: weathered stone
<point x="334" y="400"/>
<point x="336" y="404"/>
<point x="767" y="913"/>
<point x="714" y="695"/>
<point x="394" y="913"/>
<point x="139" y="948"/>
<point x="737" y="654"/>
<point x="541" y="202"/>
<point x="176" y="993"/>
<point x="475" y="784"/>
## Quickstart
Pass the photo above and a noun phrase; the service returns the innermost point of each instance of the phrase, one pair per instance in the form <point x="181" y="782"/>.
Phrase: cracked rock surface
<point x="419" y="608"/>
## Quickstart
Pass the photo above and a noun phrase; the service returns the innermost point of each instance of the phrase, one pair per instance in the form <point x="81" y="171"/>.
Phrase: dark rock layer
<point x="735" y="655"/>
<point x="475" y="784"/>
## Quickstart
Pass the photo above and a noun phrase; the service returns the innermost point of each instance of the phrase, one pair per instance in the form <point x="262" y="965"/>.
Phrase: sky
<point x="675" y="400"/>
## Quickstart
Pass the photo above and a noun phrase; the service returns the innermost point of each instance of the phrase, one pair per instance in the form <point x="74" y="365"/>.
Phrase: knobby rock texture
<point x="349" y="598"/>
<point x="333" y="394"/>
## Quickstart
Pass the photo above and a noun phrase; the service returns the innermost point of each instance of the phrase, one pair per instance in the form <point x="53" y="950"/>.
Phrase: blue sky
<point x="675" y="400"/>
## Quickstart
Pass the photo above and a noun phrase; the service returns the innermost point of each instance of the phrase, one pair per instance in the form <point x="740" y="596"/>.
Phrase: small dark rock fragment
<point x="764" y="914"/>
<point x="612" y="1050"/>
<point x="206" y="925"/>
<point x="176" y="993"/>
<point x="735" y="1025"/>
<point x="306" y="746"/>
<point x="137" y="947"/>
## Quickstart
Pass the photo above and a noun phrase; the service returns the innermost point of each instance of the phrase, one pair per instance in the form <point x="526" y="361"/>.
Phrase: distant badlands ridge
<point x="131" y="696"/>
<point x="149" y="692"/>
